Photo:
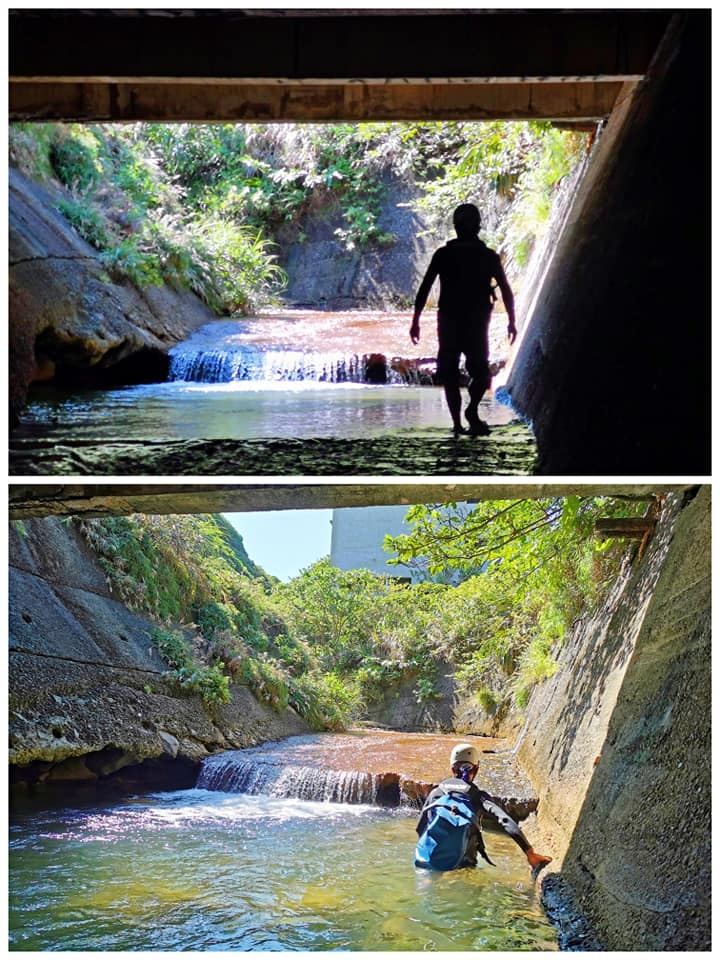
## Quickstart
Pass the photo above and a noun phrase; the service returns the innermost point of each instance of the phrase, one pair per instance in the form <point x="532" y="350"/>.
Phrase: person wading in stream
<point x="449" y="825"/>
<point x="466" y="268"/>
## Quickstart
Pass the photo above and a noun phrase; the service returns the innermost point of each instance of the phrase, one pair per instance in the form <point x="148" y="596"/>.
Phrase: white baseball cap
<point x="464" y="753"/>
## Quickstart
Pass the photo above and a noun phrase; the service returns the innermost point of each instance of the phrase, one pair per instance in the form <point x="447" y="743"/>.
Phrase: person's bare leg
<point x="477" y="388"/>
<point x="453" y="398"/>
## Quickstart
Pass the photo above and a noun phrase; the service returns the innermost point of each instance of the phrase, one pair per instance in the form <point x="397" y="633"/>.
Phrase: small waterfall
<point x="248" y="364"/>
<point x="235" y="772"/>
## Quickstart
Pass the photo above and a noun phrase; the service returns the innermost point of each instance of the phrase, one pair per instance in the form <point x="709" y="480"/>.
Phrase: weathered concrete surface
<point x="400" y="709"/>
<point x="318" y="102"/>
<point x="86" y="691"/>
<point x="121" y="499"/>
<point x="618" y="745"/>
<point x="508" y="451"/>
<point x="67" y="317"/>
<point x="614" y="367"/>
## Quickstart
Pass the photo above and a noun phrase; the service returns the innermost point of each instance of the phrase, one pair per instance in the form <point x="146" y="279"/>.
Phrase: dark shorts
<point x="470" y="339"/>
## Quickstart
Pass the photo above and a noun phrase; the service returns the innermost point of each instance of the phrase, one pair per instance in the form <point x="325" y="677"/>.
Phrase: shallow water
<point x="240" y="410"/>
<point x="421" y="757"/>
<point x="283" y="403"/>
<point x="202" y="870"/>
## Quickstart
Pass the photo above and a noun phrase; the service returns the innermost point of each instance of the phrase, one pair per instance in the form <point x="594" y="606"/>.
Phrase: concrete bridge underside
<point x="98" y="500"/>
<point x="275" y="65"/>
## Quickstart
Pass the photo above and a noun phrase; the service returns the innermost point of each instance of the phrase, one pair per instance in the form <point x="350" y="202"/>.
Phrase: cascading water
<point x="372" y="767"/>
<point x="353" y="347"/>
<point x="245" y="862"/>
<point x="227" y="366"/>
<point x="233" y="773"/>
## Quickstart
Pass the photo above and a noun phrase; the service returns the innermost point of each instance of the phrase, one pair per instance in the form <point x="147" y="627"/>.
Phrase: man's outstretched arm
<point x="536" y="861"/>
<point x="508" y="300"/>
<point x="421" y="298"/>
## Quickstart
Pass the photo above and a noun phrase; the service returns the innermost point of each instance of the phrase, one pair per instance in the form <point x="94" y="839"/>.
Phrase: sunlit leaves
<point x="531" y="568"/>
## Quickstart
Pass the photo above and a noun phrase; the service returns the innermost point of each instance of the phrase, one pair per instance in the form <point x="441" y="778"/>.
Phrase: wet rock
<point x="375" y="368"/>
<point x="387" y="790"/>
<point x="415" y="790"/>
<point x="574" y="930"/>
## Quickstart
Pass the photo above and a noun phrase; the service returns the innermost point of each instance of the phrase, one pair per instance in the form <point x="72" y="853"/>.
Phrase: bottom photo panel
<point x="359" y="717"/>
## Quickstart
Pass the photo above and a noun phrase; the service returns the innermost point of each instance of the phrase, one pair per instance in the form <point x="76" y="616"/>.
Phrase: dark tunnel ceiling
<point x="275" y="65"/>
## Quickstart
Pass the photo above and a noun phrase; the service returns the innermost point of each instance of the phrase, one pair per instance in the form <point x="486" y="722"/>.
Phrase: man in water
<point x="466" y="268"/>
<point x="464" y="764"/>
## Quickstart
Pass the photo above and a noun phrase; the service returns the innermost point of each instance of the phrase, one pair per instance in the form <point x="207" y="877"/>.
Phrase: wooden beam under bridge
<point x="100" y="500"/>
<point x="325" y="65"/>
<point x="311" y="102"/>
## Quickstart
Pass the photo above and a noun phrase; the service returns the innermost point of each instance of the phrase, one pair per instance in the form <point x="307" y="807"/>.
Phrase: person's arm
<point x="421" y="298"/>
<point x="536" y="860"/>
<point x="508" y="299"/>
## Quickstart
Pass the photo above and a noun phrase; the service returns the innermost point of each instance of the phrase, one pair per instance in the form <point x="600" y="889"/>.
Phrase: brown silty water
<point x="362" y="332"/>
<point x="383" y="767"/>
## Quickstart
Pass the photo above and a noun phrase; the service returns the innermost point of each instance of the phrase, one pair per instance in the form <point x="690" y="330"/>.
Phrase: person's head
<point x="466" y="220"/>
<point x="464" y="761"/>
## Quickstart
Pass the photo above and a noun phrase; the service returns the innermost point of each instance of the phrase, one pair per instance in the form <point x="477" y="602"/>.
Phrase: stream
<point x="218" y="869"/>
<point x="298" y="374"/>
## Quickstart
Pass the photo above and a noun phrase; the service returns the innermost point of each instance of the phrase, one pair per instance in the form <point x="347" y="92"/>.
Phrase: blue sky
<point x="284" y="542"/>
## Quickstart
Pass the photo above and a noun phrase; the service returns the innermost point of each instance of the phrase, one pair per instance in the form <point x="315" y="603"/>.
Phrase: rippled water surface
<point x="201" y="870"/>
<point x="240" y="410"/>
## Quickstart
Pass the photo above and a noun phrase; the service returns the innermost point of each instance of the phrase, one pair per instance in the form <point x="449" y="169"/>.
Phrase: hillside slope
<point x="87" y="695"/>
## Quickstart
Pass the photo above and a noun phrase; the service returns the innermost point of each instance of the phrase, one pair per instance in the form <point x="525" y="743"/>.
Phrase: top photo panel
<point x="359" y="242"/>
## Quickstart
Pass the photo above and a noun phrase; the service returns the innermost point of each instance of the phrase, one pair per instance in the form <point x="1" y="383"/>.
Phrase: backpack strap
<point x="472" y="817"/>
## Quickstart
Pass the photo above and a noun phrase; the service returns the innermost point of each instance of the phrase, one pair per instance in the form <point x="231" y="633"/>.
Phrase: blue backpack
<point x="444" y="841"/>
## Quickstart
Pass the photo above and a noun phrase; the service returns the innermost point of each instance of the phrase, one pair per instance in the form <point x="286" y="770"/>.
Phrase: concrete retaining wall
<point x="618" y="746"/>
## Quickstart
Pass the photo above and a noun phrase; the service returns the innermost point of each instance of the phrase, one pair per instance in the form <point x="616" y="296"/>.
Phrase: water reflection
<point x="239" y="410"/>
<point x="194" y="870"/>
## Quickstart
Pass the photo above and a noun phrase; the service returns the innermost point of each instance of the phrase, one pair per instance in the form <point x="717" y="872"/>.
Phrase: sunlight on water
<point x="240" y="410"/>
<point x="200" y="870"/>
<point x="282" y="351"/>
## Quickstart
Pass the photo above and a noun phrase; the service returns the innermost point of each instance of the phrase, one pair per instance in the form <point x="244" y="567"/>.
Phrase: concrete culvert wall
<point x="614" y="367"/>
<point x="618" y="745"/>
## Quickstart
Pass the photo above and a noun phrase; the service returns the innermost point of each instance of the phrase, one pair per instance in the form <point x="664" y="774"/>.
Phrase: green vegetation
<point x="531" y="569"/>
<point x="205" y="207"/>
<point x="210" y="683"/>
<point x="505" y="582"/>
<point x="217" y="619"/>
<point x="148" y="225"/>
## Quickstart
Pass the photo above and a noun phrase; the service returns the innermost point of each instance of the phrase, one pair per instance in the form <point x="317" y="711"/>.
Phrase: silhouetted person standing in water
<point x="466" y="268"/>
